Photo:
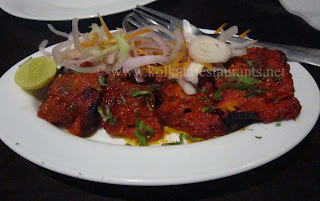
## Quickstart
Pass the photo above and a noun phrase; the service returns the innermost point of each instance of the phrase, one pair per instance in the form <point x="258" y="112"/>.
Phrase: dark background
<point x="293" y="176"/>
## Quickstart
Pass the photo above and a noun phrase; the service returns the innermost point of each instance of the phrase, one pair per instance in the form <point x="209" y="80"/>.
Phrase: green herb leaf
<point x="243" y="78"/>
<point x="102" y="81"/>
<point x="187" y="137"/>
<point x="255" y="92"/>
<point x="103" y="116"/>
<point x="143" y="132"/>
<point x="208" y="108"/>
<point x="111" y="118"/>
<point x="72" y="106"/>
<point x="276" y="100"/>
<point x="238" y="86"/>
<point x="182" y="96"/>
<point x="127" y="144"/>
<point x="76" y="72"/>
<point x="202" y="98"/>
<point x="138" y="93"/>
<point x="174" y="143"/>
<point x="123" y="99"/>
<point x="258" y="137"/>
<point x="150" y="108"/>
<point x="203" y="90"/>
<point x="278" y="124"/>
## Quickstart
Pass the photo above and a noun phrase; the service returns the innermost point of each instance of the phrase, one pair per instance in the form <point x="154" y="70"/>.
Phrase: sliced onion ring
<point x="205" y="49"/>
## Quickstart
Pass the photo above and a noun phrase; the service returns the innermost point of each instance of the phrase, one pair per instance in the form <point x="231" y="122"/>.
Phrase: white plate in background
<point x="51" y="10"/>
<point x="309" y="10"/>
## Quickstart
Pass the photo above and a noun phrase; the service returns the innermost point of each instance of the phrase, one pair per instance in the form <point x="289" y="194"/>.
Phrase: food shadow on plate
<point x="39" y="94"/>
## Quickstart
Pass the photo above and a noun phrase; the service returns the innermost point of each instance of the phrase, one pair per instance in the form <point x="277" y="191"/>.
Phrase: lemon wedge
<point x="36" y="73"/>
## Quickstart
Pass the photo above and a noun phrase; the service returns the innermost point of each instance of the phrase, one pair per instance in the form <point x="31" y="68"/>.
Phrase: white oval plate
<point x="100" y="159"/>
<point x="66" y="9"/>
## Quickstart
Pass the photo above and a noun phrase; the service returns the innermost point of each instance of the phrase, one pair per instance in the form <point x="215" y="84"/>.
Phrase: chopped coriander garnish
<point x="203" y="90"/>
<point x="243" y="78"/>
<point x="111" y="118"/>
<point x="123" y="99"/>
<point x="174" y="143"/>
<point x="205" y="109"/>
<point x="127" y="144"/>
<point x="202" y="98"/>
<point x="255" y="92"/>
<point x="76" y="72"/>
<point x="17" y="143"/>
<point x="211" y="95"/>
<point x="248" y="62"/>
<point x="138" y="93"/>
<point x="135" y="104"/>
<point x="102" y="81"/>
<point x="143" y="132"/>
<point x="99" y="89"/>
<point x="181" y="136"/>
<point x="103" y="116"/>
<point x="238" y="86"/>
<point x="208" y="108"/>
<point x="194" y="139"/>
<point x="171" y="143"/>
<point x="65" y="90"/>
<point x="123" y="83"/>
<point x="276" y="100"/>
<point x="72" y="106"/>
<point x="182" y="96"/>
<point x="278" y="124"/>
<point x="258" y="137"/>
<point x="148" y="105"/>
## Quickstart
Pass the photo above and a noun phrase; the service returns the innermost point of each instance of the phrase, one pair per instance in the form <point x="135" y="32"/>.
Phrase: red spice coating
<point x="277" y="102"/>
<point x="72" y="103"/>
<point x="127" y="108"/>
<point x="183" y="112"/>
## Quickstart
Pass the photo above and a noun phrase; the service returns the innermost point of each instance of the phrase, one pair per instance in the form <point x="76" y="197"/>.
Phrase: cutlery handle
<point x="299" y="54"/>
<point x="294" y="53"/>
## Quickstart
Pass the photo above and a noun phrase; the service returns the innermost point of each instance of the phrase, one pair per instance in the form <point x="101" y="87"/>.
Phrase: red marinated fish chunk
<point x="72" y="103"/>
<point x="194" y="114"/>
<point x="272" y="98"/>
<point x="126" y="101"/>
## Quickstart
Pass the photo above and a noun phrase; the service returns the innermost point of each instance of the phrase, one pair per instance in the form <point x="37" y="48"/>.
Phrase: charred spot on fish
<point x="89" y="92"/>
<point x="93" y="110"/>
<point x="186" y="111"/>
<point x="237" y="120"/>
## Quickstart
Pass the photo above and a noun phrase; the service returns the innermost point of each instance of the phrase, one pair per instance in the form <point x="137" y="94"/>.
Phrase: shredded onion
<point x="192" y="71"/>
<point x="56" y="51"/>
<point x="76" y="35"/>
<point x="186" y="86"/>
<point x="59" y="33"/>
<point x="225" y="35"/>
<point x="42" y="47"/>
<point x="135" y="62"/>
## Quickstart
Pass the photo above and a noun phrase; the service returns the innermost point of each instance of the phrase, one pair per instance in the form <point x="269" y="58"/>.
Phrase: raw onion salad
<point x="143" y="51"/>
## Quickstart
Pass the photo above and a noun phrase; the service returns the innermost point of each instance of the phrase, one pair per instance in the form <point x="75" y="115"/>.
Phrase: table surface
<point x="293" y="176"/>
